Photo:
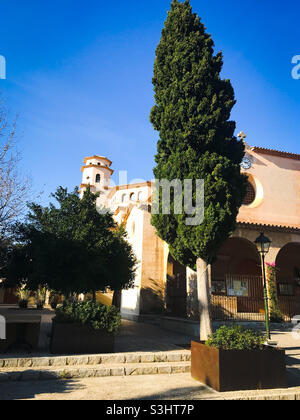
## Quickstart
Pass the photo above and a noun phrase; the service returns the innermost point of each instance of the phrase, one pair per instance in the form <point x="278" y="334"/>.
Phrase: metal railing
<point x="251" y="309"/>
<point x="249" y="306"/>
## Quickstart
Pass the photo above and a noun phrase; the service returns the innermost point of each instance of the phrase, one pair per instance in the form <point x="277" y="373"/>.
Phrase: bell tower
<point x="96" y="173"/>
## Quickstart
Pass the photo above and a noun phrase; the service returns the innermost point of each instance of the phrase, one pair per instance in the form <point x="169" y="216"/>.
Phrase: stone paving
<point x="120" y="364"/>
<point x="141" y="349"/>
<point x="134" y="342"/>
<point x="133" y="337"/>
<point x="178" y="387"/>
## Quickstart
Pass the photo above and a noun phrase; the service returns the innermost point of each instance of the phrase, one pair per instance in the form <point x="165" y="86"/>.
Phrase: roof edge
<point x="274" y="152"/>
<point x="265" y="226"/>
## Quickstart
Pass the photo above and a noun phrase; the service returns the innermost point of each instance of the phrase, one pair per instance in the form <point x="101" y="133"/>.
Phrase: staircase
<point x="103" y="365"/>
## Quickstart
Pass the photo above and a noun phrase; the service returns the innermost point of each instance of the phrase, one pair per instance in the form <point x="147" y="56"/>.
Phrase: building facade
<point x="162" y="285"/>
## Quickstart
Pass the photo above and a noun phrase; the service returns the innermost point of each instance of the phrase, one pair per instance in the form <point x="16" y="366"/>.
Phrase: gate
<point x="244" y="300"/>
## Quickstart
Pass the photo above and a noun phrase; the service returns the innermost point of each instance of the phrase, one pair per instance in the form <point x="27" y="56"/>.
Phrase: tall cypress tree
<point x="192" y="115"/>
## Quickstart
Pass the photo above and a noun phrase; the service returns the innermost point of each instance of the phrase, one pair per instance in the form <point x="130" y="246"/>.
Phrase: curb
<point x="278" y="397"/>
<point x="89" y="366"/>
<point x="95" y="372"/>
<point x="100" y="359"/>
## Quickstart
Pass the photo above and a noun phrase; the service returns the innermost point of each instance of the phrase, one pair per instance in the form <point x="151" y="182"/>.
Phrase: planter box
<point x="78" y="339"/>
<point x="229" y="370"/>
<point x="22" y="333"/>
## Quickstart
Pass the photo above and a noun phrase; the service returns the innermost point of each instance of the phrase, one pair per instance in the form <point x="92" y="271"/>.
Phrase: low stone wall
<point x="180" y="325"/>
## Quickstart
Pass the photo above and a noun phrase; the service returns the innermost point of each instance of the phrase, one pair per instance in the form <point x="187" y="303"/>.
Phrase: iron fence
<point x="250" y="308"/>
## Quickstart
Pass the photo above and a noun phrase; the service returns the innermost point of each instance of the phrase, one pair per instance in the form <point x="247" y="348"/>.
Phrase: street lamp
<point x="263" y="245"/>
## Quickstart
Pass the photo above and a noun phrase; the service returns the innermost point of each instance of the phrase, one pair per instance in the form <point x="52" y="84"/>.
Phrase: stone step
<point x="96" y="371"/>
<point x="100" y="359"/>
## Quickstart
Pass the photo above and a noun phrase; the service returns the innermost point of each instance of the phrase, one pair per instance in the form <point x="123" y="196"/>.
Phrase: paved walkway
<point x="133" y="336"/>
<point x="291" y="343"/>
<point x="149" y="338"/>
<point x="112" y="388"/>
<point x="177" y="387"/>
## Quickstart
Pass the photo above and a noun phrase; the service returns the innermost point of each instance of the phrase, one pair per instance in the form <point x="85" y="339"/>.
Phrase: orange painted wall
<point x="279" y="178"/>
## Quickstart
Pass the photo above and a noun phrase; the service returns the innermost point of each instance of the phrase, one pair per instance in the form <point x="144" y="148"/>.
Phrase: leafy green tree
<point x="192" y="115"/>
<point x="71" y="248"/>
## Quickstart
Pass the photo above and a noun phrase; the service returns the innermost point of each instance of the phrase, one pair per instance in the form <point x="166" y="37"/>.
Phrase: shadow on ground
<point x="293" y="377"/>
<point x="148" y="338"/>
<point x="29" y="390"/>
<point x="185" y="393"/>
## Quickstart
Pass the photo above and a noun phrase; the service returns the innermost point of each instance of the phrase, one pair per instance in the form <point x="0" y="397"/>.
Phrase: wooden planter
<point x="228" y="370"/>
<point x="78" y="339"/>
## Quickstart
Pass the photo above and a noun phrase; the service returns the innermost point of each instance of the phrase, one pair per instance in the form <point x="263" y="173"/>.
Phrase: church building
<point x="163" y="286"/>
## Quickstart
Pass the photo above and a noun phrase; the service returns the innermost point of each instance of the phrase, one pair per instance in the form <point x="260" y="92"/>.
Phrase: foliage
<point x="5" y="244"/>
<point x="95" y="315"/>
<point x="71" y="248"/>
<point x="22" y="293"/>
<point x="275" y="313"/>
<point x="192" y="111"/>
<point x="236" y="338"/>
<point x="40" y="296"/>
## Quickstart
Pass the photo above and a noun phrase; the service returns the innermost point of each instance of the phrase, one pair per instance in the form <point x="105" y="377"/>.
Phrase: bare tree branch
<point x="14" y="188"/>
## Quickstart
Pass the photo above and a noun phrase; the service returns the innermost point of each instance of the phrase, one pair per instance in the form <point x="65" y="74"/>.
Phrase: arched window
<point x="123" y="198"/>
<point x="98" y="179"/>
<point x="140" y="195"/>
<point x="132" y="197"/>
<point x="250" y="195"/>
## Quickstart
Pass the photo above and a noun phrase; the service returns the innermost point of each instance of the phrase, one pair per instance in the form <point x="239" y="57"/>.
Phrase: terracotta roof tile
<point x="273" y="152"/>
<point x="258" y="226"/>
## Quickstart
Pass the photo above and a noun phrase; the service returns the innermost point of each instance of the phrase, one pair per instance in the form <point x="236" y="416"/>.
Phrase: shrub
<point x="276" y="316"/>
<point x="22" y="293"/>
<point x="95" y="315"/>
<point x="40" y="297"/>
<point x="236" y="338"/>
<point x="275" y="313"/>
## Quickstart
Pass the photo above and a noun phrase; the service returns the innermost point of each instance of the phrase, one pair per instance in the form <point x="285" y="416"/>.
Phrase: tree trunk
<point x="94" y="296"/>
<point x="117" y="299"/>
<point x="203" y="286"/>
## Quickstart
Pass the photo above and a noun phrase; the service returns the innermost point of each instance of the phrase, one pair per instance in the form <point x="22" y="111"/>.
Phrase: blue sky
<point x="79" y="77"/>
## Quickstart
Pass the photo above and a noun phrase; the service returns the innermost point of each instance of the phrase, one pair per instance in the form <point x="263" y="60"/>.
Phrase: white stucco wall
<point x="130" y="301"/>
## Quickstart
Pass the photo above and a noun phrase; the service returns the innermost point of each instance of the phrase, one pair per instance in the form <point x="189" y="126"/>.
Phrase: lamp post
<point x="263" y="245"/>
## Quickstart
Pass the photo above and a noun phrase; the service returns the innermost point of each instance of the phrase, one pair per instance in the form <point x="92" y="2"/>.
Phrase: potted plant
<point x="23" y="295"/>
<point x="40" y="297"/>
<point x="54" y="300"/>
<point x="84" y="328"/>
<point x="236" y="359"/>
